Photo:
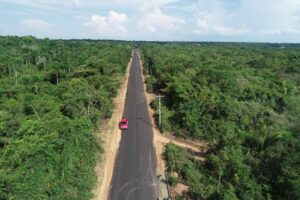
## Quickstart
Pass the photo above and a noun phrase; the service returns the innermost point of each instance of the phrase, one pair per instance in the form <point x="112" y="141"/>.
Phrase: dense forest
<point x="244" y="99"/>
<point x="53" y="94"/>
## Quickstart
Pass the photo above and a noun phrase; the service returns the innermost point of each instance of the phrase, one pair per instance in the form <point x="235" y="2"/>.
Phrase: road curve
<point x="134" y="175"/>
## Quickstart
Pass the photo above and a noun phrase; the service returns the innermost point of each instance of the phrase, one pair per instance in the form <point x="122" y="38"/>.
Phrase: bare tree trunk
<point x="16" y="77"/>
<point x="35" y="112"/>
<point x="56" y="78"/>
<point x="219" y="181"/>
<point x="14" y="70"/>
<point x="90" y="104"/>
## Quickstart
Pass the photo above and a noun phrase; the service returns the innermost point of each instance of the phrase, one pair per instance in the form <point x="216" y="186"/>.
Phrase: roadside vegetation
<point x="53" y="95"/>
<point x="244" y="99"/>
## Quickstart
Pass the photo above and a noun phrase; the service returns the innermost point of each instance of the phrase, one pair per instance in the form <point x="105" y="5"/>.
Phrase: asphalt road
<point x="134" y="175"/>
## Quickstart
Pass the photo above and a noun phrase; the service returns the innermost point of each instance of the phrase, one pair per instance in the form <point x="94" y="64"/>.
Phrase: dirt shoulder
<point x="110" y="135"/>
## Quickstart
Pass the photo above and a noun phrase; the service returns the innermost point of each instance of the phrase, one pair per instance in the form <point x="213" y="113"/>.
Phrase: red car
<point x="123" y="124"/>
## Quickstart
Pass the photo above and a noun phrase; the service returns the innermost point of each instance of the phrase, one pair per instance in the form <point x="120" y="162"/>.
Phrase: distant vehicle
<point x="123" y="124"/>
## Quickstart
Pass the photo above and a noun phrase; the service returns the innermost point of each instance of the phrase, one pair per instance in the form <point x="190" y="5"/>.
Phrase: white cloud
<point x="150" y="5"/>
<point x="269" y="17"/>
<point x="202" y="24"/>
<point x="112" y="24"/>
<point x="252" y="20"/>
<point x="36" y="24"/>
<point x="76" y="3"/>
<point x="279" y="32"/>
<point x="209" y="22"/>
<point x="36" y="27"/>
<point x="228" y="31"/>
<point x="58" y="5"/>
<point x="51" y="5"/>
<point x="156" y="21"/>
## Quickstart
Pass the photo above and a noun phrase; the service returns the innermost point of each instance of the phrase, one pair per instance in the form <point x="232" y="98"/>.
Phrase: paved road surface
<point x="134" y="175"/>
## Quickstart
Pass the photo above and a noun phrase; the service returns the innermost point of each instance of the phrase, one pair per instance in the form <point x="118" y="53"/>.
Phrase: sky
<point x="154" y="20"/>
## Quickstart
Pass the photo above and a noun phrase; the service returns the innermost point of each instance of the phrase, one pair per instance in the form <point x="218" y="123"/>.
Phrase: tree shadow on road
<point x="139" y="118"/>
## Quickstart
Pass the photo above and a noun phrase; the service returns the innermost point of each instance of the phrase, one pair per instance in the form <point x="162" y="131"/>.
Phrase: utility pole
<point x="159" y="109"/>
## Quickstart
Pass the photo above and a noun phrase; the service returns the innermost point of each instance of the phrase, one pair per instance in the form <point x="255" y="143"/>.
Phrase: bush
<point x="172" y="181"/>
